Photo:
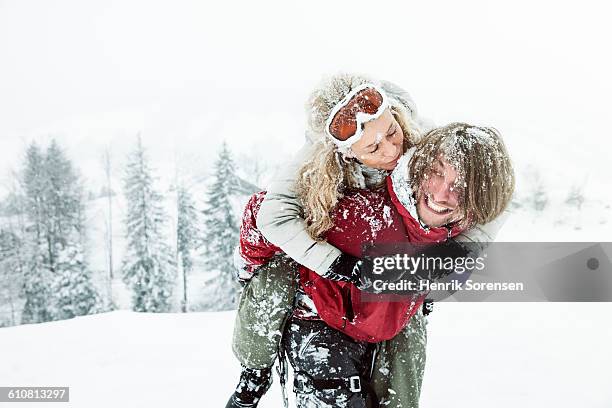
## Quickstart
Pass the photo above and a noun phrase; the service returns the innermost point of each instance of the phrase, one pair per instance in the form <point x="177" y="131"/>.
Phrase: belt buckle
<point x="355" y="383"/>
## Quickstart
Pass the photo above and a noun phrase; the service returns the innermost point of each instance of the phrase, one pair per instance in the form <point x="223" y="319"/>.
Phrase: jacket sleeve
<point x="280" y="220"/>
<point x="253" y="249"/>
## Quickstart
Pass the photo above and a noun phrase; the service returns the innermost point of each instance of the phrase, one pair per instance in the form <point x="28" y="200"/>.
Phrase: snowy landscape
<point x="506" y="355"/>
<point x="100" y="107"/>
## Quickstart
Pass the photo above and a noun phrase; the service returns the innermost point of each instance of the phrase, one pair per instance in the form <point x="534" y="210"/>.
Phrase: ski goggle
<point x="345" y="122"/>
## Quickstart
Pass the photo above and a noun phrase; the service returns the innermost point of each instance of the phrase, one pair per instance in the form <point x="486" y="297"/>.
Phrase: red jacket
<point x="361" y="216"/>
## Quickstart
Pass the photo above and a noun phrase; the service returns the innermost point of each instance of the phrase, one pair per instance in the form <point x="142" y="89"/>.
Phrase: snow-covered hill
<point x="479" y="355"/>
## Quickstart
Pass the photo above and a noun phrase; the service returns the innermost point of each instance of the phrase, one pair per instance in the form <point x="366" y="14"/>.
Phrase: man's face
<point x="382" y="143"/>
<point x="438" y="201"/>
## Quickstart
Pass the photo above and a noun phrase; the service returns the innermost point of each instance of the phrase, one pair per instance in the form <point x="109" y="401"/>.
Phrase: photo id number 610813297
<point x="34" y="394"/>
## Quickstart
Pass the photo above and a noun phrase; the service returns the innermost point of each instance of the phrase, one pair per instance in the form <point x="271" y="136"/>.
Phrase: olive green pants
<point x="400" y="365"/>
<point x="265" y="305"/>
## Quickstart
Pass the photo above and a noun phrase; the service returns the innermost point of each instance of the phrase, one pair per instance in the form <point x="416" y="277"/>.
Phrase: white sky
<point x="187" y="74"/>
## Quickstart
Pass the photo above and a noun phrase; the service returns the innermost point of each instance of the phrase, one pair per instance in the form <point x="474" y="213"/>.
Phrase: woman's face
<point x="382" y="142"/>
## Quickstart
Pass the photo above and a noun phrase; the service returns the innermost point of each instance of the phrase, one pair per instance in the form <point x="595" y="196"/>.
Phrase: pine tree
<point x="221" y="233"/>
<point x="11" y="274"/>
<point x="73" y="290"/>
<point x="148" y="267"/>
<point x="187" y="235"/>
<point x="37" y="279"/>
<point x="55" y="211"/>
<point x="13" y="249"/>
<point x="63" y="204"/>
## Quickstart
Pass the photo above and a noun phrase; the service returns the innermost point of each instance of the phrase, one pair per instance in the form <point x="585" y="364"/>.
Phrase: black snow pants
<point x="330" y="368"/>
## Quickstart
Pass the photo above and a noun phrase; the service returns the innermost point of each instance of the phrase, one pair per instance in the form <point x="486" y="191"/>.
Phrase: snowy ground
<point x="479" y="355"/>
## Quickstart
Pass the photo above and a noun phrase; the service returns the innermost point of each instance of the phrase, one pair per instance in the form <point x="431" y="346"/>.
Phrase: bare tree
<point x="106" y="162"/>
<point x="537" y="197"/>
<point x="186" y="227"/>
<point x="575" y="196"/>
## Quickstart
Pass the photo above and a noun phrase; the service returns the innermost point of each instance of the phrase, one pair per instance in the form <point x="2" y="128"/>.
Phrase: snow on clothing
<point x="318" y="353"/>
<point x="365" y="216"/>
<point x="265" y="305"/>
<point x="399" y="366"/>
<point x="330" y="368"/>
<point x="361" y="216"/>
<point x="280" y="218"/>
<point x="253" y="384"/>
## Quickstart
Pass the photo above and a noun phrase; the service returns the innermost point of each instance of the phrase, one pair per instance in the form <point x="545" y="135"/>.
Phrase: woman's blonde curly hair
<point x="324" y="177"/>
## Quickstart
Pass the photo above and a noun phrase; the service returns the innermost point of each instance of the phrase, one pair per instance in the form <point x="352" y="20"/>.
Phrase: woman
<point x="362" y="163"/>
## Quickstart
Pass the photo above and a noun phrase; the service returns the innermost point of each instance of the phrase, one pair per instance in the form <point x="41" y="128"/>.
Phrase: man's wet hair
<point x="485" y="176"/>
